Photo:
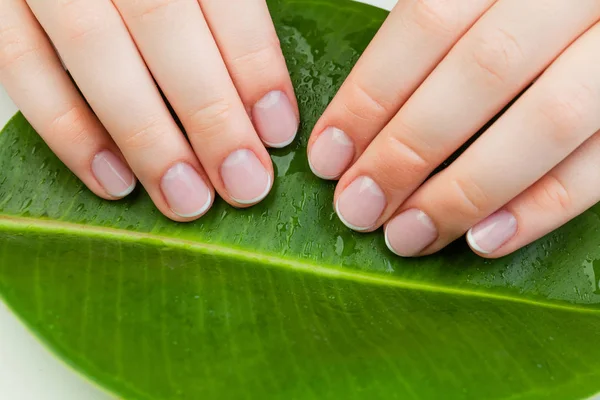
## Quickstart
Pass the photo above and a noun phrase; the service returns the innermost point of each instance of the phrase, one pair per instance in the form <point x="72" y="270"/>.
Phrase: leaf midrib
<point x="25" y="224"/>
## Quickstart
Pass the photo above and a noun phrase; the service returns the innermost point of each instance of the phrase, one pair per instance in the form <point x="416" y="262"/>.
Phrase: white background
<point x="27" y="370"/>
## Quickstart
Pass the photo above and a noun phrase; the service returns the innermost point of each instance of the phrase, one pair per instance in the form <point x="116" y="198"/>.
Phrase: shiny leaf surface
<point x="281" y="301"/>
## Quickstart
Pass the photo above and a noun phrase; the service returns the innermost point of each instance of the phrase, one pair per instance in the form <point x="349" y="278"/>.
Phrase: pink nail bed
<point x="493" y="232"/>
<point x="410" y="232"/>
<point x="275" y="119"/>
<point x="185" y="191"/>
<point x="245" y="178"/>
<point x="361" y="204"/>
<point x="113" y="174"/>
<point x="331" y="153"/>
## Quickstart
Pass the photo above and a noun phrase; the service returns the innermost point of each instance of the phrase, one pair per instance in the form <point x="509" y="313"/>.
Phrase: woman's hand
<point x="434" y="75"/>
<point x="219" y="66"/>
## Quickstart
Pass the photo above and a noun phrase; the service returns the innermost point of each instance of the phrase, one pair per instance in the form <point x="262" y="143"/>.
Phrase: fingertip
<point x="319" y="174"/>
<point x="113" y="175"/>
<point x="473" y="244"/>
<point x="245" y="203"/>
<point x="199" y="213"/>
<point x="186" y="193"/>
<point x="276" y="119"/>
<point x="283" y="144"/>
<point x="361" y="204"/>
<point x="348" y="224"/>
<point x="245" y="178"/>
<point x="331" y="154"/>
<point x="490" y="235"/>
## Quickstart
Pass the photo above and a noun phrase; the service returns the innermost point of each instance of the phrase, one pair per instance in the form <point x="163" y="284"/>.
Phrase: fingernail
<point x="186" y="192"/>
<point x="361" y="204"/>
<point x="113" y="174"/>
<point x="331" y="153"/>
<point x="493" y="232"/>
<point x="245" y="178"/>
<point x="275" y="119"/>
<point x="409" y="233"/>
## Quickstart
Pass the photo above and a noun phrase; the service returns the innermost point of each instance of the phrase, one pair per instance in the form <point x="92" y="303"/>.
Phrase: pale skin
<point x="436" y="72"/>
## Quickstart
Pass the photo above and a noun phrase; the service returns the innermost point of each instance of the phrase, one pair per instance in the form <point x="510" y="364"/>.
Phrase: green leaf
<point x="281" y="301"/>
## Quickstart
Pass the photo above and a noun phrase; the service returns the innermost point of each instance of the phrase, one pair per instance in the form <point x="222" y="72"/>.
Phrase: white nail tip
<point x="473" y="243"/>
<point x="387" y="243"/>
<point x="270" y="99"/>
<point x="258" y="198"/>
<point x="314" y="171"/>
<point x="201" y="211"/>
<point x="125" y="192"/>
<point x="348" y="224"/>
<point x="282" y="144"/>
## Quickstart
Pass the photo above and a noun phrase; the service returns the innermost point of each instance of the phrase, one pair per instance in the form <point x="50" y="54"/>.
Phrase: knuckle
<point x="141" y="9"/>
<point x="361" y="102"/>
<point x="568" y="112"/>
<point x="15" y="45"/>
<point x="260" y="58"/>
<point x="145" y="137"/>
<point x="437" y="15"/>
<point x="496" y="54"/>
<point x="399" y="166"/>
<point x="72" y="125"/>
<point x="209" y="119"/>
<point x="551" y="194"/>
<point x="257" y="70"/>
<point x="467" y="200"/>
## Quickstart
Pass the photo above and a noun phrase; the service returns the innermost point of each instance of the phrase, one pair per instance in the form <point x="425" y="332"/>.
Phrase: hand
<point x="215" y="63"/>
<point x="434" y="75"/>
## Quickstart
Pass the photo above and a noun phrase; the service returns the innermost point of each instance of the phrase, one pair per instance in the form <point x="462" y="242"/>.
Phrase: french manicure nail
<point x="113" y="174"/>
<point x="331" y="153"/>
<point x="245" y="178"/>
<point x="409" y="233"/>
<point x="275" y="119"/>
<point x="185" y="191"/>
<point x="493" y="232"/>
<point x="361" y="204"/>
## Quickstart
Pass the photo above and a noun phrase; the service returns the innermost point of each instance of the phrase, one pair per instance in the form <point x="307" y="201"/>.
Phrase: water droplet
<point x="339" y="246"/>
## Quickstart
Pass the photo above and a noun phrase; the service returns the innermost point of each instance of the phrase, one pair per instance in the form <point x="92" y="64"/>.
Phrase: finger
<point x="96" y="47"/>
<point x="414" y="38"/>
<point x="33" y="76"/>
<point x="541" y="129"/>
<point x="564" y="193"/>
<point x="250" y="48"/>
<point x="184" y="59"/>
<point x="503" y="52"/>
